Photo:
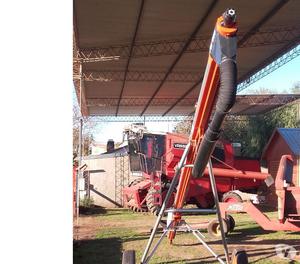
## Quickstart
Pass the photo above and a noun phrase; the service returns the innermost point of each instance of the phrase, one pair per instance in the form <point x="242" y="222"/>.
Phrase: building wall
<point x="277" y="148"/>
<point x="102" y="178"/>
<point x="106" y="177"/>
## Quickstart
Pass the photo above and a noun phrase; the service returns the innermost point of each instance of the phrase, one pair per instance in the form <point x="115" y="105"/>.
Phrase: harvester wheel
<point x="239" y="256"/>
<point x="232" y="197"/>
<point x="231" y="223"/>
<point x="214" y="229"/>
<point x="128" y="257"/>
<point x="135" y="181"/>
<point x="152" y="207"/>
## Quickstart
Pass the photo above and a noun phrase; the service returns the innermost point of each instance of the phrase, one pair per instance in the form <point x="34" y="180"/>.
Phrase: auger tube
<point x="226" y="99"/>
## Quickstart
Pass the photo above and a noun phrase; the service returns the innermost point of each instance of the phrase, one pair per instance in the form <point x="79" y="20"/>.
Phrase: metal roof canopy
<point x="148" y="57"/>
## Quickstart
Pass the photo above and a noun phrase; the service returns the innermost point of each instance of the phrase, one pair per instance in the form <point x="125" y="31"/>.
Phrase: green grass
<point x="123" y="234"/>
<point x="119" y="214"/>
<point x="123" y="230"/>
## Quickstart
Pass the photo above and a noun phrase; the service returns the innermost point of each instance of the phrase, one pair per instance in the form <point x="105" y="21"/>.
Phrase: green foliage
<point x="183" y="127"/>
<point x="87" y="202"/>
<point x="253" y="132"/>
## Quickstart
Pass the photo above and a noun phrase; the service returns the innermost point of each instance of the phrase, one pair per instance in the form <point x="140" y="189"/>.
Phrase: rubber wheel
<point x="231" y="223"/>
<point x="128" y="257"/>
<point x="231" y="197"/>
<point x="214" y="230"/>
<point x="152" y="207"/>
<point x="135" y="181"/>
<point x="239" y="256"/>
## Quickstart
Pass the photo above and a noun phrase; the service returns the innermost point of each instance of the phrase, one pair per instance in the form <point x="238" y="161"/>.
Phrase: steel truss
<point x="139" y="119"/>
<point x="105" y="102"/>
<point x="267" y="99"/>
<point x="285" y="58"/>
<point x="122" y="176"/>
<point x="141" y="76"/>
<point x="265" y="37"/>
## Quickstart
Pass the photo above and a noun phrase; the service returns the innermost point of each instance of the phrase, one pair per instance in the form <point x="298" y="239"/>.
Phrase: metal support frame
<point x="79" y="171"/>
<point x="130" y="52"/>
<point x="183" y="226"/>
<point x="262" y="99"/>
<point x="187" y="43"/>
<point x="121" y="177"/>
<point x="262" y="21"/>
<point x="106" y="102"/>
<point x="265" y="37"/>
<point x="245" y="37"/>
<point x="138" y="76"/>
<point x="139" y="119"/>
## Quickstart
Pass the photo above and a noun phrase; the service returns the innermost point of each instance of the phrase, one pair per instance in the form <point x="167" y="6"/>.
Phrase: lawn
<point x="101" y="238"/>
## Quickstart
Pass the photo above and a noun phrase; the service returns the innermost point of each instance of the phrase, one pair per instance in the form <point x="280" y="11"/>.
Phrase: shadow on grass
<point x="105" y="250"/>
<point x="92" y="210"/>
<point x="263" y="253"/>
<point x="246" y="233"/>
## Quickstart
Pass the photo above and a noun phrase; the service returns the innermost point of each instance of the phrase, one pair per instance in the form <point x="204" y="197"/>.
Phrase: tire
<point x="239" y="256"/>
<point x="135" y="181"/>
<point x="231" y="197"/>
<point x="152" y="207"/>
<point x="214" y="230"/>
<point x="128" y="257"/>
<point x="231" y="223"/>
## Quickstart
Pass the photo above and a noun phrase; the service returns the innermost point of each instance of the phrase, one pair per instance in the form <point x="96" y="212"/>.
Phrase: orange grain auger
<point x="218" y="90"/>
<point x="220" y="77"/>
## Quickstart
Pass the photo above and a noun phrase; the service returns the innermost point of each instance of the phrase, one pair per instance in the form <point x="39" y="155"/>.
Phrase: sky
<point x="279" y="81"/>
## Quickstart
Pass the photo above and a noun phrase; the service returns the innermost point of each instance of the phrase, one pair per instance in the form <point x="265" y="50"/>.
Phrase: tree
<point x="296" y="88"/>
<point x="87" y="132"/>
<point x="183" y="127"/>
<point x="253" y="132"/>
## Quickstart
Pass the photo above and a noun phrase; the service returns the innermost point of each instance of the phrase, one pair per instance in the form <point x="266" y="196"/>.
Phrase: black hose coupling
<point x="229" y="17"/>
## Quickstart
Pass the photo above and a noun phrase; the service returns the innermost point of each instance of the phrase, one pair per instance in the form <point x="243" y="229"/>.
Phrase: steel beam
<point x="267" y="99"/>
<point x="265" y="37"/>
<point x="130" y="52"/>
<point x="141" y="119"/>
<point x="105" y="102"/>
<point x="262" y="21"/>
<point x="246" y="37"/>
<point x="191" y="37"/>
<point x="138" y="76"/>
<point x="77" y="68"/>
<point x="79" y="87"/>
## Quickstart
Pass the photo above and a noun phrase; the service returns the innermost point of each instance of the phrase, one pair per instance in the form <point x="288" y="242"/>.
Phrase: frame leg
<point x="215" y="193"/>
<point x="165" y="202"/>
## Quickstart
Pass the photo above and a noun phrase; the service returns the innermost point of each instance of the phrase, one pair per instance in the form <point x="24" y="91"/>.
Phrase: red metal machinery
<point x="220" y="76"/>
<point x="157" y="155"/>
<point x="288" y="202"/>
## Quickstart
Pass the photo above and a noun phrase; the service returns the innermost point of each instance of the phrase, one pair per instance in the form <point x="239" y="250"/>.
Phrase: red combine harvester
<point x="157" y="155"/>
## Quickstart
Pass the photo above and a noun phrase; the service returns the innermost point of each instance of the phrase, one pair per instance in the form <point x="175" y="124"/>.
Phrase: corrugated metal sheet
<point x="292" y="138"/>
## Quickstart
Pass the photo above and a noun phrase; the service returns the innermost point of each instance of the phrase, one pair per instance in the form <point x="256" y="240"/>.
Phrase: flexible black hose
<point x="226" y="99"/>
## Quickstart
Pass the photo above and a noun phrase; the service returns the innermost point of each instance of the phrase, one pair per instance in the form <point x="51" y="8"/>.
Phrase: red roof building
<point x="284" y="141"/>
